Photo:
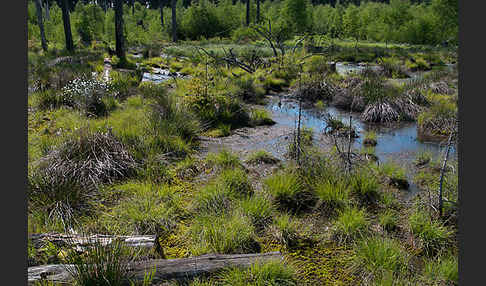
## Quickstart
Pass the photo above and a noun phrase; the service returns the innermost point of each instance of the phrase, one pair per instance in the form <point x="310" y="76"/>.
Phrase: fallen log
<point x="82" y="241"/>
<point x="163" y="269"/>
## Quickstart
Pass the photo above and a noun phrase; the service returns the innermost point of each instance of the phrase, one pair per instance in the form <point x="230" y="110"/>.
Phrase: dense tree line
<point x="148" y="21"/>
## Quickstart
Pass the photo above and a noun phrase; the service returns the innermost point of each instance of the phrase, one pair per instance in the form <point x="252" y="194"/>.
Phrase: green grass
<point x="227" y="234"/>
<point x="365" y="185"/>
<point x="269" y="273"/>
<point x="377" y="255"/>
<point x="146" y="209"/>
<point x="287" y="191"/>
<point x="259" y="209"/>
<point x="331" y="195"/>
<point x="261" y="156"/>
<point x="388" y="220"/>
<point x="285" y="230"/>
<point x="370" y="138"/>
<point x="434" y="237"/>
<point x="235" y="181"/>
<point x="422" y="158"/>
<point x="260" y="117"/>
<point x="223" y="159"/>
<point x="101" y="265"/>
<point x="395" y="174"/>
<point x="443" y="269"/>
<point x="214" y="199"/>
<point x="351" y="224"/>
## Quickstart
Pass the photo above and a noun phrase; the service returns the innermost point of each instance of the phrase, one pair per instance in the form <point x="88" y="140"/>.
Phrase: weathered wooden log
<point x="163" y="269"/>
<point x="82" y="241"/>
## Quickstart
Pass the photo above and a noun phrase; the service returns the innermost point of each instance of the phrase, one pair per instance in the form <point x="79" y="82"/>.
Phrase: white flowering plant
<point x="86" y="93"/>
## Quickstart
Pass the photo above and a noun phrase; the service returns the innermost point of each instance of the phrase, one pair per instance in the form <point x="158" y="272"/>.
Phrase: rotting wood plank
<point x="180" y="268"/>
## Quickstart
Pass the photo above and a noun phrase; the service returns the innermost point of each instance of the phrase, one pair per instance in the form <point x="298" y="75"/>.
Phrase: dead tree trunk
<point x="120" y="49"/>
<point x="258" y="11"/>
<point x="48" y="17"/>
<point x="161" y="6"/>
<point x="38" y="6"/>
<point x="247" y="13"/>
<point x="67" y="26"/>
<point x="174" y="22"/>
<point x="165" y="269"/>
<point x="442" y="171"/>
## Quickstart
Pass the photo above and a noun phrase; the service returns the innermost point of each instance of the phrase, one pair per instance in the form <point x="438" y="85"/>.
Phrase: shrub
<point x="331" y="195"/>
<point x="287" y="191"/>
<point x="351" y="224"/>
<point x="227" y="234"/>
<point x="86" y="93"/>
<point x="259" y="209"/>
<point x="268" y="273"/>
<point x="433" y="236"/>
<point x="261" y="156"/>
<point x="381" y="254"/>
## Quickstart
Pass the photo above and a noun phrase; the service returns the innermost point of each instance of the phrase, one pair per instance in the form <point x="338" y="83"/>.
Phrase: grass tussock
<point x="236" y="181"/>
<point x="261" y="156"/>
<point x="433" y="236"/>
<point x="351" y="224"/>
<point x="260" y="117"/>
<point x="269" y="273"/>
<point x="285" y="230"/>
<point x="223" y="159"/>
<point x="259" y="209"/>
<point x="227" y="234"/>
<point x="443" y="269"/>
<point x="381" y="255"/>
<point x="364" y="185"/>
<point x="287" y="191"/>
<point x="146" y="209"/>
<point x="332" y="196"/>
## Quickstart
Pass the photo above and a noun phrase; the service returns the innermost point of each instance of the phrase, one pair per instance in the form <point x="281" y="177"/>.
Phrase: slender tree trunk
<point x="161" y="6"/>
<point x="67" y="26"/>
<point x="48" y="17"/>
<point x="174" y="22"/>
<point x="41" y="24"/>
<point x="247" y="13"/>
<point x="258" y="11"/>
<point x="120" y="48"/>
<point x="442" y="171"/>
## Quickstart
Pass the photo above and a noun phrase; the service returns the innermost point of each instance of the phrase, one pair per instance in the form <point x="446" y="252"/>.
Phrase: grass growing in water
<point x="261" y="156"/>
